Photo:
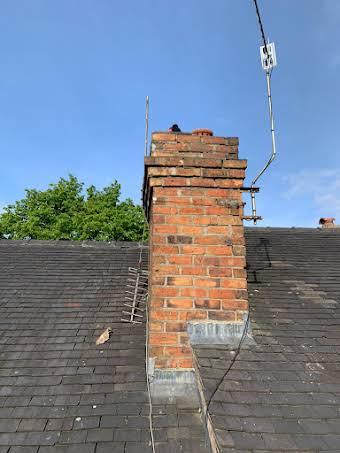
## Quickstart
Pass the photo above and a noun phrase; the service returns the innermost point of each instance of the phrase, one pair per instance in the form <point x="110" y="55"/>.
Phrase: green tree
<point x="67" y="210"/>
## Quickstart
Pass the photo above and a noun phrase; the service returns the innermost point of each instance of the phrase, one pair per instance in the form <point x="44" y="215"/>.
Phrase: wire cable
<point x="148" y="380"/>
<point x="150" y="415"/>
<point x="261" y="26"/>
<point x="237" y="352"/>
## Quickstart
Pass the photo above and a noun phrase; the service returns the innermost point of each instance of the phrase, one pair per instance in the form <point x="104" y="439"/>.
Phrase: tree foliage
<point x="67" y="210"/>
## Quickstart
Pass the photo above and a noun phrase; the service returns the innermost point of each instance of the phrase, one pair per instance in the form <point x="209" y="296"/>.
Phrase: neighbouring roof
<point x="60" y="392"/>
<point x="282" y="392"/>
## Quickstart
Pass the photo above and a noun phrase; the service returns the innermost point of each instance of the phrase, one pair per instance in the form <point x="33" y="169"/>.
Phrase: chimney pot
<point x="207" y="132"/>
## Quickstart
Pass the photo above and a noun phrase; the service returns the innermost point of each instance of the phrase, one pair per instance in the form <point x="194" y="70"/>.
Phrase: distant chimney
<point x="328" y="222"/>
<point x="198" y="285"/>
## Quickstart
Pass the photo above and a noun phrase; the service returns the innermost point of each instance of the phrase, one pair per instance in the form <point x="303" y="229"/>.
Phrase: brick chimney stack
<point x="198" y="288"/>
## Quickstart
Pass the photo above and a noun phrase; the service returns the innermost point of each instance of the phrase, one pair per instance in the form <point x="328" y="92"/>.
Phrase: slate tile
<point x="75" y="448"/>
<point x="59" y="424"/>
<point x="100" y="435"/>
<point x="247" y="440"/>
<point x="73" y="437"/>
<point x="86" y="422"/>
<point x="284" y="442"/>
<point x="111" y="447"/>
<point x="130" y="435"/>
<point x="137" y="447"/>
<point x="8" y="425"/>
<point x="18" y="449"/>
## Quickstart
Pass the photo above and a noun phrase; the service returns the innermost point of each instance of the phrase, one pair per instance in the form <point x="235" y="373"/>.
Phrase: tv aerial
<point x="269" y="62"/>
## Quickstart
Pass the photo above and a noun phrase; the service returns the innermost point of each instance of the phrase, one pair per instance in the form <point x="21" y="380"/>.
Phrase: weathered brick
<point x="180" y="259"/>
<point x="197" y="250"/>
<point x="180" y="303"/>
<point x="179" y="239"/>
<point x="179" y="281"/>
<point x="209" y="304"/>
<point x="156" y="339"/>
<point x="175" y="327"/>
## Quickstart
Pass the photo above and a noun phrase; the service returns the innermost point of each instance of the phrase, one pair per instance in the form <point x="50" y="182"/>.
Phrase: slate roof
<point x="282" y="392"/>
<point x="59" y="392"/>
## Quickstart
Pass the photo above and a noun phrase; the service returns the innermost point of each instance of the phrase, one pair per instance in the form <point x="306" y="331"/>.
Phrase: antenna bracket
<point x="268" y="56"/>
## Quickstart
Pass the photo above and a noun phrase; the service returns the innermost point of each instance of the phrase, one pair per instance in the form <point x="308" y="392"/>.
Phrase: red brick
<point x="209" y="304"/>
<point x="193" y="292"/>
<point x="239" y="250"/>
<point x="169" y="191"/>
<point x="185" y="363"/>
<point x="166" y="270"/>
<point x="193" y="315"/>
<point x="164" y="137"/>
<point x="203" y="201"/>
<point x="165" y="291"/>
<point x="215" y="210"/>
<point x="214" y="140"/>
<point x="239" y="273"/>
<point x="178" y="220"/>
<point x="220" y="272"/>
<point x="177" y="351"/>
<point x="175" y="327"/>
<point x="156" y="339"/>
<point x="193" y="250"/>
<point x="206" y="282"/>
<point x="165" y="229"/>
<point x="194" y="270"/>
<point x="165" y="249"/>
<point x="239" y="283"/>
<point x="221" y="293"/>
<point x="189" y="138"/>
<point x="156" y="351"/>
<point x="193" y="230"/>
<point x="203" y="220"/>
<point x="241" y="294"/>
<point x="159" y="209"/>
<point x="218" y="229"/>
<point x="179" y="259"/>
<point x="157" y="280"/>
<point x="222" y="315"/>
<point x="210" y="240"/>
<point x="235" y="305"/>
<point x="180" y="303"/>
<point x="156" y="302"/>
<point x="156" y="327"/>
<point x="157" y="219"/>
<point x="217" y="250"/>
<point x="179" y="281"/>
<point x="190" y="211"/>
<point x="157" y="239"/>
<point x="166" y="315"/>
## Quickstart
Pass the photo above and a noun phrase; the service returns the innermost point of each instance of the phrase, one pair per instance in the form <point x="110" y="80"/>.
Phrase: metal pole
<point x="146" y="125"/>
<point x="273" y="154"/>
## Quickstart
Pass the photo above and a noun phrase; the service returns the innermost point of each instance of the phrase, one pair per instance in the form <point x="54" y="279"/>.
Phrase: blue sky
<point x="74" y="75"/>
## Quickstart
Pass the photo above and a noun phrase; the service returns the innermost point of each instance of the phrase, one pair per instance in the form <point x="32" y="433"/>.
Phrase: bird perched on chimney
<point x="174" y="128"/>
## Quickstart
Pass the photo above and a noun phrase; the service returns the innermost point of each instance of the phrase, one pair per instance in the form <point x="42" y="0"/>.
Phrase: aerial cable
<point x="261" y="26"/>
<point x="268" y="60"/>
